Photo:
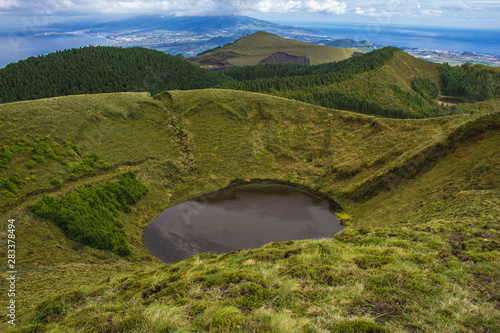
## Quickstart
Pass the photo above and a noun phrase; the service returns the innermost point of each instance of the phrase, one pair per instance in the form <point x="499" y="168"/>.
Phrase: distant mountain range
<point x="203" y="25"/>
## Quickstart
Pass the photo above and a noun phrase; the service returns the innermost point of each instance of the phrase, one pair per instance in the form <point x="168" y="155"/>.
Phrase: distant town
<point x="455" y="58"/>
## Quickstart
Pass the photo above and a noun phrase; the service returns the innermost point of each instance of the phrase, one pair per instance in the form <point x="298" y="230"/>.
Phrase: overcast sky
<point x="454" y="13"/>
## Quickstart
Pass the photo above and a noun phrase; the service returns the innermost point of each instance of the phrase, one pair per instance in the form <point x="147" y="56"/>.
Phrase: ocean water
<point x="14" y="47"/>
<point x="433" y="38"/>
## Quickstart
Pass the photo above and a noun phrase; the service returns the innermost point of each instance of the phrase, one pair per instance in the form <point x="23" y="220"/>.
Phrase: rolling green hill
<point x="253" y="49"/>
<point x="378" y="83"/>
<point x="386" y="82"/>
<point x="421" y="198"/>
<point x="381" y="83"/>
<point x="101" y="69"/>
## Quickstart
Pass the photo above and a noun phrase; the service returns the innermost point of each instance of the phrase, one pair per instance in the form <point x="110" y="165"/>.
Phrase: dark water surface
<point x="240" y="217"/>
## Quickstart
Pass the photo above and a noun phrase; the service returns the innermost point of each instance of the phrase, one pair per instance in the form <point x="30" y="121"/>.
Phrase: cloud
<point x="310" y="6"/>
<point x="378" y="10"/>
<point x="368" y="12"/>
<point x="188" y="7"/>
<point x="457" y="9"/>
<point x="428" y="12"/>
<point x="7" y="4"/>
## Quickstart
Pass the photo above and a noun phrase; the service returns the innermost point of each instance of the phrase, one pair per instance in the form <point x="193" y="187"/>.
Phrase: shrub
<point x="5" y="157"/>
<point x="38" y="158"/>
<point x="31" y="164"/>
<point x="56" y="182"/>
<point x="88" y="164"/>
<point x="42" y="148"/>
<point x="12" y="184"/>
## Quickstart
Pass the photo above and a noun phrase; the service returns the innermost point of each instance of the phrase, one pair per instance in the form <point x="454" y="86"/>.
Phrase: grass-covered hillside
<point x="252" y="49"/>
<point x="380" y="83"/>
<point x="386" y="82"/>
<point x="420" y="198"/>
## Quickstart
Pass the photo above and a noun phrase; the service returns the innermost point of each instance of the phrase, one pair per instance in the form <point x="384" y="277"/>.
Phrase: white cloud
<point x="456" y="9"/>
<point x="327" y="7"/>
<point x="368" y="12"/>
<point x="428" y="12"/>
<point x="188" y="7"/>
<point x="7" y="4"/>
<point x="310" y="6"/>
<point x="379" y="10"/>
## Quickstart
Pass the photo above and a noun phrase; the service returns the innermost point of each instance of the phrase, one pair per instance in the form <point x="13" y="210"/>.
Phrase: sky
<point x="453" y="13"/>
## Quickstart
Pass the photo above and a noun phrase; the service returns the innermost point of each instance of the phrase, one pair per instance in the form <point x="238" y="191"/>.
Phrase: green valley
<point x="386" y="173"/>
<point x="418" y="182"/>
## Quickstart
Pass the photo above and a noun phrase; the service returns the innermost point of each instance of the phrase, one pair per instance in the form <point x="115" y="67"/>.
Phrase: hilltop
<point x="420" y="253"/>
<point x="263" y="47"/>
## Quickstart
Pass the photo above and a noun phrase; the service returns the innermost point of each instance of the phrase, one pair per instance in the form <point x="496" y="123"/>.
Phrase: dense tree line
<point x="342" y="101"/>
<point x="475" y="82"/>
<point x="88" y="215"/>
<point x="284" y="77"/>
<point x="415" y="103"/>
<point x="101" y="69"/>
<point x="425" y="88"/>
<point x="266" y="71"/>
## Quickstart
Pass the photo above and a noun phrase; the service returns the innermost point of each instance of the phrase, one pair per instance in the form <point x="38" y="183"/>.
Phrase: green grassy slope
<point x="378" y="83"/>
<point x="251" y="49"/>
<point x="401" y="70"/>
<point x="421" y="252"/>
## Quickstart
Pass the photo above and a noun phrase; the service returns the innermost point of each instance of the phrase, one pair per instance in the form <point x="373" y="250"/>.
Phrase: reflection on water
<point x="241" y="217"/>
